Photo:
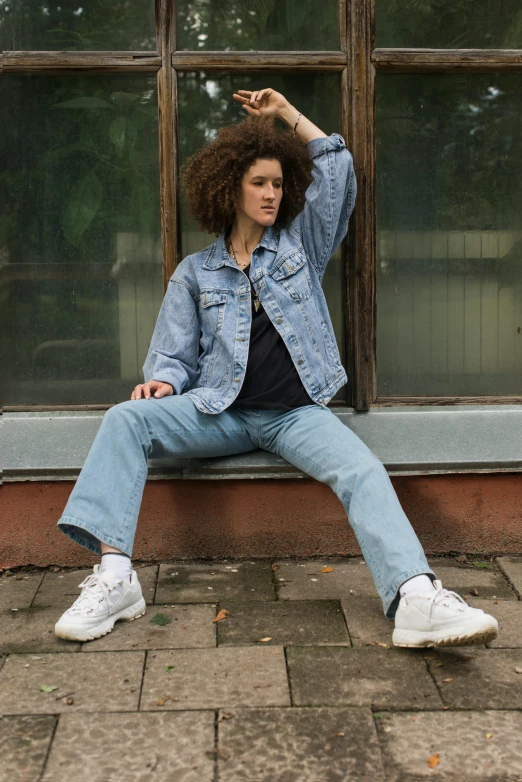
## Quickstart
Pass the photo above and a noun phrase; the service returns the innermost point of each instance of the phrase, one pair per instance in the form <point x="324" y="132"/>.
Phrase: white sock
<point x="118" y="564"/>
<point x="416" y="585"/>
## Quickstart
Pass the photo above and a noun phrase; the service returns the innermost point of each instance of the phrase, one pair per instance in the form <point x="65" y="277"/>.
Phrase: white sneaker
<point x="441" y="618"/>
<point x="104" y="599"/>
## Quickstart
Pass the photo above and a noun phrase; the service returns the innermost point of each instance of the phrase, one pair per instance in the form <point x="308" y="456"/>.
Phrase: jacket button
<point x="300" y="361"/>
<point x="279" y="320"/>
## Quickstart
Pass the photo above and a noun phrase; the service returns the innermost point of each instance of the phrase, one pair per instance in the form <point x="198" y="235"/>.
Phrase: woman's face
<point x="261" y="191"/>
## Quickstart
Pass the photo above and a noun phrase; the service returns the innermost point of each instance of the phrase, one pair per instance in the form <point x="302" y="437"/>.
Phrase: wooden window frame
<point x="358" y="62"/>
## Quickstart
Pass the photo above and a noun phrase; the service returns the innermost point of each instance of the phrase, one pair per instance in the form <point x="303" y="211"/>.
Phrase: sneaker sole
<point x="415" y="640"/>
<point x="127" y="615"/>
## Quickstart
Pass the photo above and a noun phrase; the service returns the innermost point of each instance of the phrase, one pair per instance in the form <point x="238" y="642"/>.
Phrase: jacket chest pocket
<point x="212" y="311"/>
<point x="293" y="277"/>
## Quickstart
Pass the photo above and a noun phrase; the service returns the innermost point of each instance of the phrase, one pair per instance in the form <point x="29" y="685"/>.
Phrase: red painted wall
<point x="479" y="514"/>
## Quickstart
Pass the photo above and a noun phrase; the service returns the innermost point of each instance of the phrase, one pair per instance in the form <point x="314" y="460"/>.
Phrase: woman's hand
<point x="144" y="390"/>
<point x="267" y="103"/>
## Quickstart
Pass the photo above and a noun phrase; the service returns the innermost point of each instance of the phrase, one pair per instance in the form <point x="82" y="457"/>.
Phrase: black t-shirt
<point x="271" y="381"/>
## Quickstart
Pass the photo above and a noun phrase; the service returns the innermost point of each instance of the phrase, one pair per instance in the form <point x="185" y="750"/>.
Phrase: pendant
<point x="257" y="304"/>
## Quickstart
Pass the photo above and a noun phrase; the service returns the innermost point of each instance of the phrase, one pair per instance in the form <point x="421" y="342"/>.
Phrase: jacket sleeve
<point x="330" y="199"/>
<point x="174" y="347"/>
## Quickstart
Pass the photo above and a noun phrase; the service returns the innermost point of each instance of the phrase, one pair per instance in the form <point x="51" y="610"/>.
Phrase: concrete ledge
<point x="408" y="440"/>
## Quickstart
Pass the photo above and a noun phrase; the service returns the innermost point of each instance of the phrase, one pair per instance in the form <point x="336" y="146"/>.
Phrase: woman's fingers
<point x="153" y="387"/>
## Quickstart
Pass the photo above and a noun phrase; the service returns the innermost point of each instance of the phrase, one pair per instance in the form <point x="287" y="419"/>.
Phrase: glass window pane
<point x="205" y="105"/>
<point x="270" y="25"/>
<point x="449" y="234"/>
<point x="80" y="255"/>
<point x="59" y="25"/>
<point x="444" y="24"/>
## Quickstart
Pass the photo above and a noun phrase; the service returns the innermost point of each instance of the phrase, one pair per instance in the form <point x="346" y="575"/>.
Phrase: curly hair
<point x="212" y="176"/>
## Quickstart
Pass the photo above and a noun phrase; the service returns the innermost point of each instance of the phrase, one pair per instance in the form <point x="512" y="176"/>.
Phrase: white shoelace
<point x="95" y="589"/>
<point x="448" y="599"/>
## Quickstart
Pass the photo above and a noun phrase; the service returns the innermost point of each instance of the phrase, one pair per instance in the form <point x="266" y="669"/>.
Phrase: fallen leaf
<point x="518" y="670"/>
<point x="461" y="558"/>
<point x="341" y="733"/>
<point x="226" y="715"/>
<point x="439" y="665"/>
<point x="161" y="620"/>
<point x="447" y="680"/>
<point x="473" y="591"/>
<point x="496" y="602"/>
<point x="275" y="567"/>
<point x="483" y="565"/>
<point x="466" y="657"/>
<point x="265" y="640"/>
<point x="327" y="569"/>
<point x="221" y="615"/>
<point x="433" y="761"/>
<point x="489" y="735"/>
<point x="169" y="667"/>
<point x="47" y="688"/>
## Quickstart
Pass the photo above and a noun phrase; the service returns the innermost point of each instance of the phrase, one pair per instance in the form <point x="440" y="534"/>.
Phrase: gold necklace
<point x="253" y="292"/>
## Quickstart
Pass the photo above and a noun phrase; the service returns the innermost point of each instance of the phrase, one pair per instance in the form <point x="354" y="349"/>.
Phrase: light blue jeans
<point x="106" y="499"/>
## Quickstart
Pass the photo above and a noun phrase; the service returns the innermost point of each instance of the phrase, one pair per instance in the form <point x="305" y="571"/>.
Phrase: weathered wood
<point x="343" y="10"/>
<point x="434" y="401"/>
<point x="447" y="60"/>
<point x="167" y="100"/>
<point x="257" y="61"/>
<point x="347" y="248"/>
<point x="362" y="36"/>
<point x="20" y="62"/>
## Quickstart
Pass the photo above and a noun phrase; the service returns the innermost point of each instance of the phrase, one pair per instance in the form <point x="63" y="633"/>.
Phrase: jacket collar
<point x="217" y="254"/>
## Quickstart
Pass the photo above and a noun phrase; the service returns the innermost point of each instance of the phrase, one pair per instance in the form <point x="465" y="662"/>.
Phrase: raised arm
<point x="330" y="199"/>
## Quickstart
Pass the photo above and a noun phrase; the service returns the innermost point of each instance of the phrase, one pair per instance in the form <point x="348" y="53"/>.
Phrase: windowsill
<point x="52" y="446"/>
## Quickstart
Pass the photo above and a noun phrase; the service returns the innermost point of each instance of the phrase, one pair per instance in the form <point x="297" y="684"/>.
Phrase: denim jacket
<point x="201" y="339"/>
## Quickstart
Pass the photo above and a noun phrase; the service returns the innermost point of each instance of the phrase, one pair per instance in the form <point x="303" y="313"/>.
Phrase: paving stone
<point x="380" y="678"/>
<point x="208" y="582"/>
<point x="460" y="739"/>
<point x="300" y="622"/>
<point x="189" y="627"/>
<point x="512" y="568"/>
<point x="215" y="678"/>
<point x="480" y="678"/>
<point x="304" y="580"/>
<point x="62" y="589"/>
<point x="31" y="630"/>
<point x="462" y="579"/>
<point x="24" y="742"/>
<point x="110" y="679"/>
<point x="16" y="593"/>
<point x="133" y="748"/>
<point x="509" y="616"/>
<point x="366" y="621"/>
<point x="292" y="745"/>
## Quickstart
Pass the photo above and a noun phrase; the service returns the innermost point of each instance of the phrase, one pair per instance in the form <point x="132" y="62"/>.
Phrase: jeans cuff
<point x="88" y="536"/>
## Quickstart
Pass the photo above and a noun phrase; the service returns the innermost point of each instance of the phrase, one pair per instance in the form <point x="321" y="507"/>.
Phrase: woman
<point x="243" y="356"/>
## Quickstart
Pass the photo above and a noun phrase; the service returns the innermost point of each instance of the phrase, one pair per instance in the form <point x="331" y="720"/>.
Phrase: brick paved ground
<point x="298" y="683"/>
